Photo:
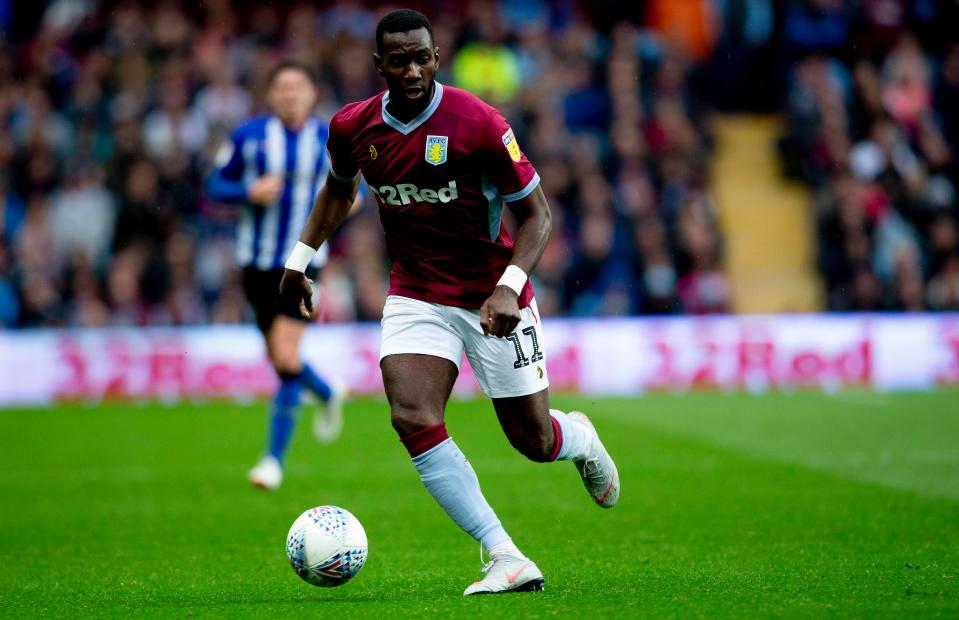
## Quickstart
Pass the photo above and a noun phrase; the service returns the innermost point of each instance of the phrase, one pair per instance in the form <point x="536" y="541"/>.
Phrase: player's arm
<point x="499" y="314"/>
<point x="518" y="184"/>
<point x="535" y="223"/>
<point x="225" y="182"/>
<point x="333" y="204"/>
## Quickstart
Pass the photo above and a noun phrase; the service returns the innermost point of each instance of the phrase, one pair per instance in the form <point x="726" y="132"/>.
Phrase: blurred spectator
<point x="222" y="103"/>
<point x="872" y="127"/>
<point x="82" y="215"/>
<point x="173" y="127"/>
<point x="741" y="68"/>
<point x="943" y="291"/>
<point x="704" y="289"/>
<point x="484" y="65"/>
<point x="9" y="304"/>
<point x="817" y="26"/>
<point x="692" y="25"/>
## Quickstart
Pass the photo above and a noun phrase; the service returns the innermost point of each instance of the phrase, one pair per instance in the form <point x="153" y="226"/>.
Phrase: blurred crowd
<point x="873" y="126"/>
<point x="111" y="112"/>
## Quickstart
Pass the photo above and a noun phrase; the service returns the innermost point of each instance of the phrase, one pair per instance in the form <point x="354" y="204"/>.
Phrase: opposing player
<point x="442" y="163"/>
<point x="273" y="167"/>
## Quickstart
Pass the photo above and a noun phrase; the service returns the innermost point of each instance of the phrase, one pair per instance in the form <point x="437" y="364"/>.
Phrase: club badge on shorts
<point x="436" y="147"/>
<point x="512" y="146"/>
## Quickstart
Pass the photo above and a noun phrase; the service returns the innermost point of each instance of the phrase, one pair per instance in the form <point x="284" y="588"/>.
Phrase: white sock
<point x="450" y="479"/>
<point x="507" y="547"/>
<point x="576" y="437"/>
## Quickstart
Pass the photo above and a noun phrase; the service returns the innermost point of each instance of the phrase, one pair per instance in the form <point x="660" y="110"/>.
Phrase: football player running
<point x="442" y="164"/>
<point x="272" y="168"/>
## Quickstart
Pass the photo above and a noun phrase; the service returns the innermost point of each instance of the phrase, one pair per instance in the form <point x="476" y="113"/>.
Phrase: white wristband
<point x="514" y="278"/>
<point x="300" y="257"/>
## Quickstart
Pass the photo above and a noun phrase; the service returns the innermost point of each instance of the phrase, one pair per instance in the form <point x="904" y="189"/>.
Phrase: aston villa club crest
<point x="436" y="147"/>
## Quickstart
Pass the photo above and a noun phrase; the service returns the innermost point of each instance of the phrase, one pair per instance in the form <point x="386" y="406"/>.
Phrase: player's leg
<point x="283" y="345"/>
<point x="417" y="387"/>
<point x="286" y="334"/>
<point x="512" y="371"/>
<point x="420" y="362"/>
<point x="282" y="335"/>
<point x="543" y="435"/>
<point x="268" y="472"/>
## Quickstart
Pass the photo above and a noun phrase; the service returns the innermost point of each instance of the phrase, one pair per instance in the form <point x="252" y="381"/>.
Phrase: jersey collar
<point x="422" y="117"/>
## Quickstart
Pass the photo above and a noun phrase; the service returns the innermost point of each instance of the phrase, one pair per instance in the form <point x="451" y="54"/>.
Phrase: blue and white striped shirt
<point x="266" y="235"/>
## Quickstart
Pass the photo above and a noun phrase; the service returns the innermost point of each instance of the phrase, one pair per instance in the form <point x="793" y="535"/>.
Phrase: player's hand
<point x="499" y="314"/>
<point x="296" y="292"/>
<point x="266" y="190"/>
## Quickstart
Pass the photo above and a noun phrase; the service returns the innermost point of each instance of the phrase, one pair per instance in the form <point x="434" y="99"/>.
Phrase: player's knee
<point x="411" y="418"/>
<point x="536" y="448"/>
<point x="286" y="363"/>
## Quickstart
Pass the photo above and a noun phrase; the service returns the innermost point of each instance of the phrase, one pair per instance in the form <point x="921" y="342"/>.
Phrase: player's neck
<point x="404" y="110"/>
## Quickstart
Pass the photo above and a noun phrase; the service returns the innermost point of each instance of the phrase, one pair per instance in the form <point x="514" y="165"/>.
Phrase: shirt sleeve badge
<point x="512" y="147"/>
<point x="436" y="148"/>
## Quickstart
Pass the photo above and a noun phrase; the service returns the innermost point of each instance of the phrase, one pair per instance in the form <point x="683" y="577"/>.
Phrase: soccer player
<point x="273" y="167"/>
<point x="442" y="164"/>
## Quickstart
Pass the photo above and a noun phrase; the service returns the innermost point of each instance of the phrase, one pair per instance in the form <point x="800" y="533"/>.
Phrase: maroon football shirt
<point x="441" y="181"/>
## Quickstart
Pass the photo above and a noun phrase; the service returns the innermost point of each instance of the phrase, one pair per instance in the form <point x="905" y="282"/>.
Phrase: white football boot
<point x="328" y="417"/>
<point x="267" y="474"/>
<point x="597" y="469"/>
<point x="507" y="573"/>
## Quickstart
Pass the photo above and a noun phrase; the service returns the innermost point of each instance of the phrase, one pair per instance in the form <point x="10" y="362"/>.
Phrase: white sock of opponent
<point x="450" y="479"/>
<point x="572" y="439"/>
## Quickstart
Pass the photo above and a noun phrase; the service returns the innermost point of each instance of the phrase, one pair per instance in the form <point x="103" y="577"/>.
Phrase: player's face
<point x="292" y="97"/>
<point x="408" y="63"/>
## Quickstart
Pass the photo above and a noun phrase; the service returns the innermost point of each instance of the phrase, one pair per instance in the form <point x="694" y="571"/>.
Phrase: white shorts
<point x="505" y="367"/>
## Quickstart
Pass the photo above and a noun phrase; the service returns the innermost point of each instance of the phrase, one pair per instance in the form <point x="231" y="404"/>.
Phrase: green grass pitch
<point x="788" y="505"/>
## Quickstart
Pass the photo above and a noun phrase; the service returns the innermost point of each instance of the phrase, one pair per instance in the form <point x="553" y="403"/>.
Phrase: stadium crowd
<point x="873" y="125"/>
<point x="111" y="113"/>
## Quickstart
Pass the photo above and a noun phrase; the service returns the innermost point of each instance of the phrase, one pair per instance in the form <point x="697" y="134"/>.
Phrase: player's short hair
<point x="294" y="65"/>
<point x="402" y="20"/>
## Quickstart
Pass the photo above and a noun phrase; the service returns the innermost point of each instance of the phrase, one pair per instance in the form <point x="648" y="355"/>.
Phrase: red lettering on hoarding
<point x="167" y="373"/>
<point x="855" y="366"/>
<point x="705" y="374"/>
<point x="372" y="379"/>
<point x="217" y="378"/>
<point x="850" y="367"/>
<point x="665" y="375"/>
<point x="756" y="362"/>
<point x="807" y="367"/>
<point x="220" y="379"/>
<point x="950" y="338"/>
<point x="119" y="366"/>
<point x="76" y="382"/>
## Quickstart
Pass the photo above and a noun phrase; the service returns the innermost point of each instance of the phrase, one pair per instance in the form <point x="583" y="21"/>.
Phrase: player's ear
<point x="378" y="64"/>
<point x="436" y="53"/>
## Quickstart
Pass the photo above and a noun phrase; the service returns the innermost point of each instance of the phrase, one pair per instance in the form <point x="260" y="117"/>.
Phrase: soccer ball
<point x="326" y="546"/>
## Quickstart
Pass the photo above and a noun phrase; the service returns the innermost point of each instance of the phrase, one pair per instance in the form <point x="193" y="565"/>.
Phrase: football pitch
<point x="732" y="505"/>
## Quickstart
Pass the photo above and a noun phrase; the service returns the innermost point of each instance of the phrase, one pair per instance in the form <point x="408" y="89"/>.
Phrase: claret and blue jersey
<point x="261" y="146"/>
<point x="441" y="180"/>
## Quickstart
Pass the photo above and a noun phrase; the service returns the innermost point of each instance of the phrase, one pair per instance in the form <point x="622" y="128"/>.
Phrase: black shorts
<point x="262" y="290"/>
